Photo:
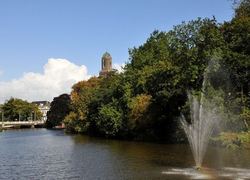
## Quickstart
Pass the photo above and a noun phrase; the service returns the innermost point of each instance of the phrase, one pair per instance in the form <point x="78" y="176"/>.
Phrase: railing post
<point x="2" y="118"/>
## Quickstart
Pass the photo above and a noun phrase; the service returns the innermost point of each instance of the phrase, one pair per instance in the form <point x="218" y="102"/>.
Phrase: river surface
<point x="47" y="154"/>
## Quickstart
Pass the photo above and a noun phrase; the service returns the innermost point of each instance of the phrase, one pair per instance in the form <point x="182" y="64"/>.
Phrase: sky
<point x="48" y="45"/>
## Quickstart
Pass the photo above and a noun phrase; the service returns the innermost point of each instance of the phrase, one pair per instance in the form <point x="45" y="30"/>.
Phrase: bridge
<point x="16" y="124"/>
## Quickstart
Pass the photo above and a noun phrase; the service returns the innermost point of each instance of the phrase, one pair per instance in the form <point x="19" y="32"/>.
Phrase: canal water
<point x="47" y="154"/>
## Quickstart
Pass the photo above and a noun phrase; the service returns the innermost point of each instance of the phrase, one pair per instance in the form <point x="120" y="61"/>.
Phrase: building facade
<point x="44" y="107"/>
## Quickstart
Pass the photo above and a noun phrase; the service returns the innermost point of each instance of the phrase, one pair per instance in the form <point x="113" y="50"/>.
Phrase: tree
<point x="60" y="107"/>
<point x="145" y="100"/>
<point x="242" y="8"/>
<point x="109" y="120"/>
<point x="82" y="94"/>
<point x="139" y="115"/>
<point x="17" y="109"/>
<point x="237" y="58"/>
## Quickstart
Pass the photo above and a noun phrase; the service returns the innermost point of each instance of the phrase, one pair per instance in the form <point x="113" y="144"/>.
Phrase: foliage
<point x="245" y="116"/>
<point x="72" y="123"/>
<point x="233" y="140"/>
<point x="81" y="95"/>
<point x="139" y="115"/>
<point x="242" y="8"/>
<point x="145" y="101"/>
<point x="17" y="109"/>
<point x="59" y="108"/>
<point x="108" y="121"/>
<point x="237" y="57"/>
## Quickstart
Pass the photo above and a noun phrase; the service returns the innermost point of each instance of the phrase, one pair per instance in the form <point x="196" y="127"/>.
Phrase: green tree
<point x="146" y="99"/>
<point x="242" y="8"/>
<point x="60" y="107"/>
<point x="17" y="109"/>
<point x="109" y="119"/>
<point x="237" y="57"/>
<point x="82" y="94"/>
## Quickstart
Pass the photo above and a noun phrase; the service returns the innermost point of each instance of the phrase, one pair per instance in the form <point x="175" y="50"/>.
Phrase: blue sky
<point x="32" y="31"/>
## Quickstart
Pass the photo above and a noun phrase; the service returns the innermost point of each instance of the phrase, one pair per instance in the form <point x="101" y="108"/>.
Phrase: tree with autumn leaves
<point x="145" y="101"/>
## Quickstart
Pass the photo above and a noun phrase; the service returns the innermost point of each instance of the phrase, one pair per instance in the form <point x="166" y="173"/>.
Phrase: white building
<point x="44" y="107"/>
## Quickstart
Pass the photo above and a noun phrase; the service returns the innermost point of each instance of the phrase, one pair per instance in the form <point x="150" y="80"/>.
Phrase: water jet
<point x="204" y="115"/>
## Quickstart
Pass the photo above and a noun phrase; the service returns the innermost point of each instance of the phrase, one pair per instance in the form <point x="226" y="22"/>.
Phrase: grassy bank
<point x="232" y="140"/>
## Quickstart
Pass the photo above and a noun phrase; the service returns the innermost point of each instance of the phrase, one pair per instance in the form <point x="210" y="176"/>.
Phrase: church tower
<point x="106" y="64"/>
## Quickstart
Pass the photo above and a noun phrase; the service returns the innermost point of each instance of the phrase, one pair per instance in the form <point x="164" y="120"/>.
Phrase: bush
<point x="233" y="140"/>
<point x="109" y="120"/>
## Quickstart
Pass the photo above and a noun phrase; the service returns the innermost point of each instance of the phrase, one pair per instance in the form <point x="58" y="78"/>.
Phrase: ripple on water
<point x="45" y="154"/>
<point x="209" y="173"/>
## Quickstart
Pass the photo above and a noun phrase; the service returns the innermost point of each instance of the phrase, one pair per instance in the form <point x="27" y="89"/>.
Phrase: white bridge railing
<point x="4" y="123"/>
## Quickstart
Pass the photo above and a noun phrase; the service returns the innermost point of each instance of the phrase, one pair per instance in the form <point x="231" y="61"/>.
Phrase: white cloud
<point x="119" y="67"/>
<point x="58" y="77"/>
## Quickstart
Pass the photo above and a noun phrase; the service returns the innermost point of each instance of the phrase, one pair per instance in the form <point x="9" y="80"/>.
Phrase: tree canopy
<point x="145" y="101"/>
<point x="59" y="108"/>
<point x="17" y="109"/>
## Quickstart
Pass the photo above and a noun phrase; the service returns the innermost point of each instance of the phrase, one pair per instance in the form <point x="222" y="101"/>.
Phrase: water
<point x="46" y="154"/>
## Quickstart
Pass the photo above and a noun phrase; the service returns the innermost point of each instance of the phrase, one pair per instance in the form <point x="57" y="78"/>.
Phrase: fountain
<point x="204" y="116"/>
<point x="206" y="113"/>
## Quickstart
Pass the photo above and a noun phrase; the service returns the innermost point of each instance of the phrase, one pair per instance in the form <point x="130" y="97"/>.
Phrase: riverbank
<point x="8" y="127"/>
<point x="232" y="140"/>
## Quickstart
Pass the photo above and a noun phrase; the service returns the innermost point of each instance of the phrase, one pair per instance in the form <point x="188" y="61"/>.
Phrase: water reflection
<point x="44" y="154"/>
